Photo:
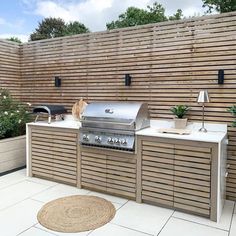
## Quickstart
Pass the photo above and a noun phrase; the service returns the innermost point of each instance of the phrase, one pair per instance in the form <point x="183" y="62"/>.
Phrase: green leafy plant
<point x="179" y="111"/>
<point x="13" y="116"/>
<point x="232" y="110"/>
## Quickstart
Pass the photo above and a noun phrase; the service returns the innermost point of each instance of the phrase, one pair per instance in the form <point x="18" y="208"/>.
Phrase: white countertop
<point x="69" y="123"/>
<point x="216" y="132"/>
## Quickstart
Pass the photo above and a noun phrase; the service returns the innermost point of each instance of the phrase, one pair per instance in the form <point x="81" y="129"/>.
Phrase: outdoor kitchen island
<point x="185" y="172"/>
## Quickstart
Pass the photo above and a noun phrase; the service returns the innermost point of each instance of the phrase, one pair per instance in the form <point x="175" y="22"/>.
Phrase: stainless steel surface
<point x="113" y="124"/>
<point x="203" y="97"/>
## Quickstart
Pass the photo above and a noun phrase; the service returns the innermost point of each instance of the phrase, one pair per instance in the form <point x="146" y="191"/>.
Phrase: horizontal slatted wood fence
<point x="10" y="67"/>
<point x="169" y="63"/>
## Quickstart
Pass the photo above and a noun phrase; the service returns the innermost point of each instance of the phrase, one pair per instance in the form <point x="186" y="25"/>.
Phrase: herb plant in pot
<point x="232" y="110"/>
<point x="180" y="111"/>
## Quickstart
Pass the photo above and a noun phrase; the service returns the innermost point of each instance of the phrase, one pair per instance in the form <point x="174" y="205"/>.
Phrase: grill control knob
<point x="123" y="141"/>
<point x="85" y="137"/>
<point x="110" y="140"/>
<point x="98" y="139"/>
<point x="117" y="141"/>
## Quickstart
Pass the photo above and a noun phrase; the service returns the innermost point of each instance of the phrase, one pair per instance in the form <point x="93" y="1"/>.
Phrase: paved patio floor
<point x="22" y="197"/>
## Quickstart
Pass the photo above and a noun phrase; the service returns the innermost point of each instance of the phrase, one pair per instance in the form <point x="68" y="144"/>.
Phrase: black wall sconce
<point x="221" y="76"/>
<point x="127" y="80"/>
<point x="57" y="81"/>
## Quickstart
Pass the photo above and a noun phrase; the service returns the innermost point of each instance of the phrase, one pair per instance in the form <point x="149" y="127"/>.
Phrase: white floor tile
<point x="233" y="226"/>
<point x="42" y="181"/>
<point x="19" y="217"/>
<point x="110" y="198"/>
<point x="12" y="178"/>
<point x="59" y="191"/>
<point x="18" y="192"/>
<point x="142" y="217"/>
<point x="178" y="227"/>
<point x="35" y="232"/>
<point x="115" y="230"/>
<point x="62" y="234"/>
<point x="224" y="222"/>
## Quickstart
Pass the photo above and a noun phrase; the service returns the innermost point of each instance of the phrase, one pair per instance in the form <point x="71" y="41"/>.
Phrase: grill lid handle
<point x="109" y="110"/>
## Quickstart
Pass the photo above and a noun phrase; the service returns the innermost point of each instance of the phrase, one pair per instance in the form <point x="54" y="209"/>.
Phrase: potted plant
<point x="232" y="110"/>
<point x="13" y="119"/>
<point x="180" y="111"/>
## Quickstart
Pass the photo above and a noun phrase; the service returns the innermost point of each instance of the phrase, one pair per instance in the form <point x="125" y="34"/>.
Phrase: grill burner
<point x="49" y="110"/>
<point x="113" y="124"/>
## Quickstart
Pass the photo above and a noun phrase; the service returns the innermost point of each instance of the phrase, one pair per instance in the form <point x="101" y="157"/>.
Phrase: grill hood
<point x="116" y="115"/>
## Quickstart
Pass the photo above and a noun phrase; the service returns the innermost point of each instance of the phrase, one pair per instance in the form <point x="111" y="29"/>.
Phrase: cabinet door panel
<point x="54" y="155"/>
<point x="192" y="173"/>
<point x="121" y="176"/>
<point x="157" y="172"/>
<point x="93" y="170"/>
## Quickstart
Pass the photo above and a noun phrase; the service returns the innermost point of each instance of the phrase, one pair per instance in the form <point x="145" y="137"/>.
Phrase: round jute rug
<point x="76" y="213"/>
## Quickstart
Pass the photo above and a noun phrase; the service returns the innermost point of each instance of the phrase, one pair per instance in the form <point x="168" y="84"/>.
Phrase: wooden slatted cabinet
<point x="109" y="171"/>
<point x="53" y="154"/>
<point x="179" y="174"/>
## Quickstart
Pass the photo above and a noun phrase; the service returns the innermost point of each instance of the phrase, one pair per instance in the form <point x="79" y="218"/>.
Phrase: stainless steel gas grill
<point x="113" y="124"/>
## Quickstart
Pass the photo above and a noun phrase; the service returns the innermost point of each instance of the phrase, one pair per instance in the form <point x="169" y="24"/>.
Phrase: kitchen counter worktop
<point x="216" y="132"/>
<point x="68" y="123"/>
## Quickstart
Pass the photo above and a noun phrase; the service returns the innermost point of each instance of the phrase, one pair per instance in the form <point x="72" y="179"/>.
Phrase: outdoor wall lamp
<point x="127" y="80"/>
<point x="203" y="98"/>
<point x="220" y="76"/>
<point x="57" y="81"/>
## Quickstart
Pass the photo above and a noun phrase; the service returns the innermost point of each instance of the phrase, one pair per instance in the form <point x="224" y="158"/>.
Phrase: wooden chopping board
<point x="174" y="131"/>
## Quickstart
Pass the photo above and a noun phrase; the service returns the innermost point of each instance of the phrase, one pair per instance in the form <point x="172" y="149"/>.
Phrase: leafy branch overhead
<point x="220" y="5"/>
<point x="136" y="16"/>
<point x="56" y="27"/>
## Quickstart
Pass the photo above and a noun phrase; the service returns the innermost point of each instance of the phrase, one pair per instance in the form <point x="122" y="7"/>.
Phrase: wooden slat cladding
<point x="158" y="173"/>
<point x="10" y="67"/>
<point x="178" y="176"/>
<point x="192" y="184"/>
<point x="114" y="174"/>
<point x="169" y="63"/>
<point x="54" y="155"/>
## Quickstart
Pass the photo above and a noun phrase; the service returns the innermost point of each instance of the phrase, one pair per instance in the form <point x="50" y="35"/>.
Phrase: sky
<point x="20" y="17"/>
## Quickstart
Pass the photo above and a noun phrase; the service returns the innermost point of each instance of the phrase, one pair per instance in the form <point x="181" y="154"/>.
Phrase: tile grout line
<point x="25" y="230"/>
<point x="28" y="198"/>
<point x="166" y="223"/>
<point x="125" y="227"/>
<point x="194" y="222"/>
<point x="231" y="220"/>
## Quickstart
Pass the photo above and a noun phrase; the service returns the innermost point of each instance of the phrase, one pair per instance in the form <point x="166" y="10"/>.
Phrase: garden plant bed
<point x="12" y="153"/>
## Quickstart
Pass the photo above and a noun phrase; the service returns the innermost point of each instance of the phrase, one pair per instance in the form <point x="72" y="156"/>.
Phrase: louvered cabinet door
<point x="54" y="155"/>
<point x="93" y="170"/>
<point x="157" y="172"/>
<point x="192" y="179"/>
<point x="121" y="175"/>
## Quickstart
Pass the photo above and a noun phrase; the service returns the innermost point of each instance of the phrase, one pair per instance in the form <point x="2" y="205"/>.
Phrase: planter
<point x="12" y="153"/>
<point x="180" y="123"/>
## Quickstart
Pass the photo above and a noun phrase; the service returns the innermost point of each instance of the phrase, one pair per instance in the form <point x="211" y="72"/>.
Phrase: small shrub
<point x="232" y="110"/>
<point x="179" y="111"/>
<point x="13" y="116"/>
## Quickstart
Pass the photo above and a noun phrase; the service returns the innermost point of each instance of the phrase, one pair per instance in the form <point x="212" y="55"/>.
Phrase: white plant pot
<point x="12" y="153"/>
<point x="180" y="123"/>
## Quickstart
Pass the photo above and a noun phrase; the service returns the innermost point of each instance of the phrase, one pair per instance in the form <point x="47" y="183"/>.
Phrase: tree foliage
<point x="14" y="39"/>
<point x="220" y="5"/>
<point x="56" y="27"/>
<point x="135" y="16"/>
